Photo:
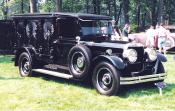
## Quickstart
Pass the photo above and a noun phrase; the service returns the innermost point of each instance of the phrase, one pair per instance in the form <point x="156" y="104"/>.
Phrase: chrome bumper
<point x="142" y="79"/>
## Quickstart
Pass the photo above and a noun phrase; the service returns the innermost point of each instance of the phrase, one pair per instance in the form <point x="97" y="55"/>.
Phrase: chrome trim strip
<point x="142" y="79"/>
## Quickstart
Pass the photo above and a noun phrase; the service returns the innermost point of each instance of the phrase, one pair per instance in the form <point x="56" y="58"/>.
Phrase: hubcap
<point x="104" y="78"/>
<point x="78" y="62"/>
<point x="25" y="66"/>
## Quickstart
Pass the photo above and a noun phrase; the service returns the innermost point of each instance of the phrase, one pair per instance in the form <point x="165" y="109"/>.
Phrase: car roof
<point x="82" y="16"/>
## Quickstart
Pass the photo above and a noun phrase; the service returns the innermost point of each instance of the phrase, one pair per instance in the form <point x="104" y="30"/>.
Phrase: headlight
<point x="130" y="54"/>
<point x="152" y="54"/>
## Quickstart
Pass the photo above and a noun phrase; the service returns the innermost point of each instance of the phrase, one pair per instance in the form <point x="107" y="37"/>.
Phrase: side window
<point x="20" y="28"/>
<point x="32" y="28"/>
<point x="67" y="28"/>
<point x="48" y="30"/>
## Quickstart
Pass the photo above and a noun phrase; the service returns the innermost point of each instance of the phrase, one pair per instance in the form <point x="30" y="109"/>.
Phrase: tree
<point x="33" y="6"/>
<point x="96" y="6"/>
<point x="58" y="5"/>
<point x="126" y="10"/>
<point x="18" y="6"/>
<point x="4" y="8"/>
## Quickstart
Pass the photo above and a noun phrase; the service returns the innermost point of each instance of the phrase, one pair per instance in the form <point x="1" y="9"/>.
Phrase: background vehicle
<point x="170" y="42"/>
<point x="79" y="46"/>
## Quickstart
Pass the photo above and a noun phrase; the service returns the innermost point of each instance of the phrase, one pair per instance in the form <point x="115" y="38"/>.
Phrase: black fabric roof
<point x="82" y="16"/>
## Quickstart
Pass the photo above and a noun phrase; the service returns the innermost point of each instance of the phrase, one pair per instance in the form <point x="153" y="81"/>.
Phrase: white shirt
<point x="150" y="33"/>
<point x="162" y="32"/>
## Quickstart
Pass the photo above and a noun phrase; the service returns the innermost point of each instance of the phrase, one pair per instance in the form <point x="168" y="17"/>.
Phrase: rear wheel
<point x="106" y="79"/>
<point x="25" y="64"/>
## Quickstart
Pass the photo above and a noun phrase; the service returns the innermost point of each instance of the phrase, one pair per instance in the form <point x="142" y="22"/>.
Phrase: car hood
<point x="118" y="45"/>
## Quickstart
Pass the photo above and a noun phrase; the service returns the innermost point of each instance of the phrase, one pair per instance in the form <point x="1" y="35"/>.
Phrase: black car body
<point x="79" y="46"/>
<point x="6" y="36"/>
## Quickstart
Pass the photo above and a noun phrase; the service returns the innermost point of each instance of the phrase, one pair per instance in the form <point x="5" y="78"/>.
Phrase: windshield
<point x="97" y="28"/>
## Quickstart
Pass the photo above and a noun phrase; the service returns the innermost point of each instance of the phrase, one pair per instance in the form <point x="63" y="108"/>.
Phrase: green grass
<point x="51" y="93"/>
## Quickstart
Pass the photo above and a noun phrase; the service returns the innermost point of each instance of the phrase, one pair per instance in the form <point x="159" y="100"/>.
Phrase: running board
<point x="53" y="73"/>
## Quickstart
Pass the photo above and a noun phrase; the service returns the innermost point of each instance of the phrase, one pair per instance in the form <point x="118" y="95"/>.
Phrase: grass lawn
<point x="51" y="93"/>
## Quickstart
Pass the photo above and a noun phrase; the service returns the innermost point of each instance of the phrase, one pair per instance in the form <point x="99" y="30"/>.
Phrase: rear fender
<point x="114" y="60"/>
<point x="30" y="50"/>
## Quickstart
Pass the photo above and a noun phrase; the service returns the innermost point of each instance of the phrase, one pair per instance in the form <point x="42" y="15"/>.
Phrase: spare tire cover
<point x="79" y="61"/>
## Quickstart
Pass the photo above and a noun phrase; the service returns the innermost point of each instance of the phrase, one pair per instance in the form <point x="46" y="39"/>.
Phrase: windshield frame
<point x="97" y="29"/>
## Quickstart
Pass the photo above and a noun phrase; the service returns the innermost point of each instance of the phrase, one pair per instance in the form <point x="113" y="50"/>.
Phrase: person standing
<point x="125" y="32"/>
<point x="162" y="36"/>
<point x="150" y="40"/>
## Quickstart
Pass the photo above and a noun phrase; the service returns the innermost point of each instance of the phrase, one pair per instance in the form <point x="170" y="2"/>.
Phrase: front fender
<point x="114" y="60"/>
<point x="161" y="57"/>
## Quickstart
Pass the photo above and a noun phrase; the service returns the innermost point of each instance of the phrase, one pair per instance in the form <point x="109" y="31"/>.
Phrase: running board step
<point x="53" y="73"/>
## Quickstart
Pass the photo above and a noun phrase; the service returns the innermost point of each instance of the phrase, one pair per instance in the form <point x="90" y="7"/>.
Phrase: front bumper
<point x="142" y="79"/>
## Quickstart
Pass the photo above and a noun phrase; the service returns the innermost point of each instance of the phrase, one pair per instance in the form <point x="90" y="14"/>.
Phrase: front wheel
<point x="25" y="64"/>
<point x="106" y="79"/>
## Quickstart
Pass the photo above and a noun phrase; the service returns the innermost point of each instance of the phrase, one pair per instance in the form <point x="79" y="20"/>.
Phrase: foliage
<point x="138" y="12"/>
<point x="17" y="6"/>
<point x="134" y="28"/>
<point x="48" y="6"/>
<point x="73" y="5"/>
<point x="52" y="93"/>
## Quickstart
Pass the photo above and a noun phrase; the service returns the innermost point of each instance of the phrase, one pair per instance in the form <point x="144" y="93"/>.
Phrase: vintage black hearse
<point x="79" y="46"/>
<point x="6" y="35"/>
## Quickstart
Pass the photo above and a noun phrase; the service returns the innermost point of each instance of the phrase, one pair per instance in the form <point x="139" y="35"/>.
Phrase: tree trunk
<point x="154" y="12"/>
<point x="5" y="8"/>
<point x="126" y="10"/>
<point x="119" y="13"/>
<point x="58" y="5"/>
<point x="22" y="6"/>
<point x="160" y="12"/>
<point x="96" y="6"/>
<point x="109" y="7"/>
<point x="138" y="13"/>
<point x="87" y="6"/>
<point x="33" y="6"/>
<point x="115" y="9"/>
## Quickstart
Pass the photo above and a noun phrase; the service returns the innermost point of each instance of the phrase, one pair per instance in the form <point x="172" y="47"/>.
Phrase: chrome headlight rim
<point x="152" y="54"/>
<point x="131" y="55"/>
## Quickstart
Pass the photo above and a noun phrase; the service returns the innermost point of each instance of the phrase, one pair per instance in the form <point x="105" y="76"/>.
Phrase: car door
<point x="66" y="37"/>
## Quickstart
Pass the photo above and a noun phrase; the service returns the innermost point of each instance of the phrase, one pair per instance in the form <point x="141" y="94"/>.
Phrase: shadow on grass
<point x="125" y="91"/>
<point x="83" y="84"/>
<point x="143" y="89"/>
<point x="10" y="78"/>
<point x="6" y="58"/>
